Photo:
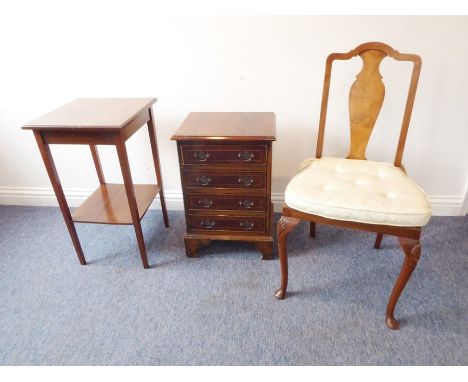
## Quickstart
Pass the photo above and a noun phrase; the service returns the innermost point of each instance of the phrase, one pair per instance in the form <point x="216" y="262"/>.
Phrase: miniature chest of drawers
<point x="225" y="169"/>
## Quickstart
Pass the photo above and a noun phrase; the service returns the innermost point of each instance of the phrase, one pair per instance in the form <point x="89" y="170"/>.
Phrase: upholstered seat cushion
<point x="358" y="190"/>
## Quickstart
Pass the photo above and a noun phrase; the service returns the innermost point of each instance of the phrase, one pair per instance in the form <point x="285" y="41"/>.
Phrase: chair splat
<point x="366" y="97"/>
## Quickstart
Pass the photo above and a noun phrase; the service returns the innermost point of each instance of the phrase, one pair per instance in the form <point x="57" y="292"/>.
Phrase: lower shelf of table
<point x="109" y="204"/>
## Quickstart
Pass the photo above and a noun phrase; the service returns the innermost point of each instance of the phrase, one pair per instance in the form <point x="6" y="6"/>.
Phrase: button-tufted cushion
<point x="358" y="190"/>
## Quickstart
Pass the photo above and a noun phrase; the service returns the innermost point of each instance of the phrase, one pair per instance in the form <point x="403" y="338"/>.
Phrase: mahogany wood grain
<point x="365" y="101"/>
<point x="408" y="232"/>
<point x="266" y="248"/>
<point x="133" y="125"/>
<point x="74" y="137"/>
<point x="109" y="205"/>
<point x="408" y="237"/>
<point x="195" y="241"/>
<point x="412" y="250"/>
<point x="192" y="245"/>
<point x="230" y="236"/>
<point x="285" y="226"/>
<point x="312" y="229"/>
<point x="408" y="109"/>
<point x="243" y="202"/>
<point x="155" y="152"/>
<point x="102" y="122"/>
<point x="223" y="126"/>
<point x="92" y="114"/>
<point x="247" y="155"/>
<point x="219" y="224"/>
<point x="225" y="166"/>
<point x="132" y="201"/>
<point x="227" y="179"/>
<point x="46" y="154"/>
<point x="378" y="240"/>
<point x="97" y="164"/>
<point x="387" y="51"/>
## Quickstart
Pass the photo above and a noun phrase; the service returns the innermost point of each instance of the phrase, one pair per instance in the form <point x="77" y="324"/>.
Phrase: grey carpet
<point x="219" y="308"/>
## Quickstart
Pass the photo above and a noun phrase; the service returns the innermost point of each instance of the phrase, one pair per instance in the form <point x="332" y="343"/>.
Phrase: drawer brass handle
<point x="245" y="180"/>
<point x="203" y="180"/>
<point x="202" y="156"/>
<point x="207" y="223"/>
<point x="246" y="155"/>
<point x="206" y="203"/>
<point x="246" y="203"/>
<point x="247" y="224"/>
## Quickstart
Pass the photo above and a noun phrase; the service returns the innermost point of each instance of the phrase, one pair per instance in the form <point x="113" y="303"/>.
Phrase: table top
<point x="92" y="114"/>
<point x="231" y="126"/>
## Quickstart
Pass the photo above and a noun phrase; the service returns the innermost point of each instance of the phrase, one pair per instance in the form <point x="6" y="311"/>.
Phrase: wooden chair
<point x="356" y="193"/>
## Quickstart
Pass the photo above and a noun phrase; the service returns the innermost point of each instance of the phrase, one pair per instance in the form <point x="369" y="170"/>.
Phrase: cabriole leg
<point x="412" y="250"/>
<point x="285" y="225"/>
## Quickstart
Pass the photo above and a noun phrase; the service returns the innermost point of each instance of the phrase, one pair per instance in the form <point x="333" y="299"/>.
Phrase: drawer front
<point x="226" y="202"/>
<point x="224" y="154"/>
<point x="225" y="179"/>
<point x="238" y="224"/>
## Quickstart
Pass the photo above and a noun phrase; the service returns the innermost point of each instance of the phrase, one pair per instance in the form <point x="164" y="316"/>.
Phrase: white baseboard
<point x="442" y="205"/>
<point x="464" y="209"/>
<point x="45" y="197"/>
<point x="445" y="205"/>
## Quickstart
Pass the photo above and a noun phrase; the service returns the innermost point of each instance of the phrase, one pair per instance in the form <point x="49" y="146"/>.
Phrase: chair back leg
<point x="378" y="240"/>
<point x="312" y="229"/>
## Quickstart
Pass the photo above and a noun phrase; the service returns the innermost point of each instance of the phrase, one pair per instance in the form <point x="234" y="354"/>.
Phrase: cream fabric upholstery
<point x="358" y="190"/>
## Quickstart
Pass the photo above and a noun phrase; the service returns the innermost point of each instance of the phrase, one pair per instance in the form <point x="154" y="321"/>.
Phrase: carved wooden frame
<point x="390" y="52"/>
<point x="372" y="54"/>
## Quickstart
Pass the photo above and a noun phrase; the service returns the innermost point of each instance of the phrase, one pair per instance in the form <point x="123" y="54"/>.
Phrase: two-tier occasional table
<point x="225" y="167"/>
<point x="102" y="121"/>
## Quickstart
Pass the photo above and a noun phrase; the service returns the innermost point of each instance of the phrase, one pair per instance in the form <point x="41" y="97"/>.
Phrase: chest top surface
<point x="228" y="126"/>
<point x="91" y="114"/>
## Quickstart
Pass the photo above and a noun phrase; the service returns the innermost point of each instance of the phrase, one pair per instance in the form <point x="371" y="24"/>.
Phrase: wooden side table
<point x="106" y="121"/>
<point x="225" y="166"/>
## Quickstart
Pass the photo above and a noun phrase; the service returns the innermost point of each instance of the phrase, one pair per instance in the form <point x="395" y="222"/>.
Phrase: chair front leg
<point x="412" y="250"/>
<point x="285" y="225"/>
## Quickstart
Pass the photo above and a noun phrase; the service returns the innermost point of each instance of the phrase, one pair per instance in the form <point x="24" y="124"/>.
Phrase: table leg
<point x="97" y="164"/>
<point x="57" y="186"/>
<point x="127" y="178"/>
<point x="154" y="149"/>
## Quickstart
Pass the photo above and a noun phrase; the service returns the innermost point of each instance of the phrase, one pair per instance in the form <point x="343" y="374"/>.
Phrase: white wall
<point x="50" y="56"/>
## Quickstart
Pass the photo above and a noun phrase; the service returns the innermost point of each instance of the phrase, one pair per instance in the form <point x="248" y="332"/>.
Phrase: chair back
<point x="366" y="97"/>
